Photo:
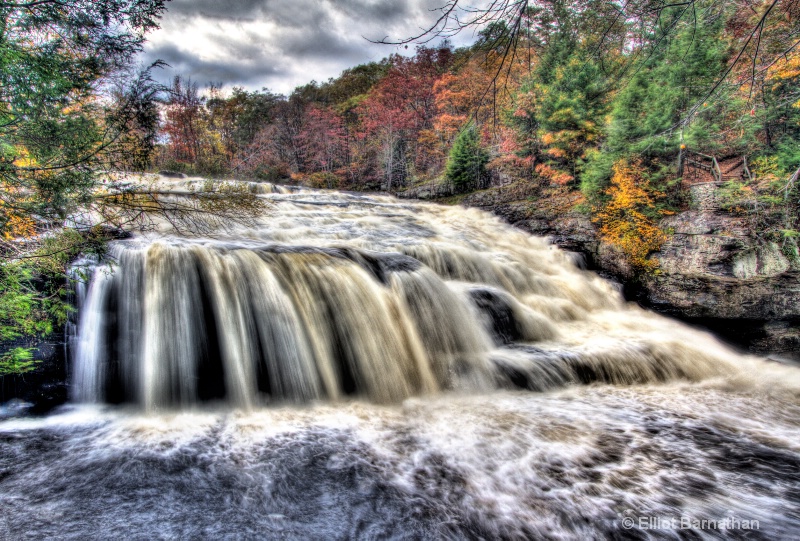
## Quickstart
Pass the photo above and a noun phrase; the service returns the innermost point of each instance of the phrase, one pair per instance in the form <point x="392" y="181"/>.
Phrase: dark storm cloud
<point x="217" y="8"/>
<point x="322" y="43"/>
<point x="279" y="44"/>
<point x="294" y="13"/>
<point x="388" y="12"/>
<point x="239" y="70"/>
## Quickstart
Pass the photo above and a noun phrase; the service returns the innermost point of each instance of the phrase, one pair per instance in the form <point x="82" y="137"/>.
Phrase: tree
<point x="646" y="116"/>
<point x="469" y="92"/>
<point x="57" y="137"/>
<point x="324" y="143"/>
<point x="400" y="109"/>
<point x="346" y="91"/>
<point x="568" y="107"/>
<point x="184" y="123"/>
<point x="387" y="119"/>
<point x="135" y="113"/>
<point x="239" y="117"/>
<point x="52" y="56"/>
<point x="466" y="165"/>
<point x="625" y="221"/>
<point x="778" y="113"/>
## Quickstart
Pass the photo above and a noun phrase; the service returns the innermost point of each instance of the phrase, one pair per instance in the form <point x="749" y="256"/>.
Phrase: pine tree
<point x="466" y="165"/>
<point x="653" y="114"/>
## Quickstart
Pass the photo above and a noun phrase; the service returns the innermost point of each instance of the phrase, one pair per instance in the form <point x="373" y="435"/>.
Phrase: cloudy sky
<point x="279" y="44"/>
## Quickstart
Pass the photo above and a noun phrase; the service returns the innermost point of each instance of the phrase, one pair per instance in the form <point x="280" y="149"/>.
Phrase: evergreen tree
<point x="55" y="134"/>
<point x="570" y="108"/>
<point x="57" y="139"/>
<point x="653" y="114"/>
<point x="466" y="165"/>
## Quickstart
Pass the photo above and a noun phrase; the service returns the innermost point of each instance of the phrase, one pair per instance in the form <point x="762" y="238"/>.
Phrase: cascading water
<point x="336" y="296"/>
<point x="351" y="367"/>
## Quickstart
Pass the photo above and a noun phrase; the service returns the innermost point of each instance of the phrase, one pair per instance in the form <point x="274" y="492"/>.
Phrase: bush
<point x="624" y="218"/>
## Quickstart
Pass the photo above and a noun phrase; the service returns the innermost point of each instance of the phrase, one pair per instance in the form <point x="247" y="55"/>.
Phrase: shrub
<point x="624" y="217"/>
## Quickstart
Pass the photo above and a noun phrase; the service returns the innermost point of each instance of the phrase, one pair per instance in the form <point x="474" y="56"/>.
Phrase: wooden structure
<point x="699" y="168"/>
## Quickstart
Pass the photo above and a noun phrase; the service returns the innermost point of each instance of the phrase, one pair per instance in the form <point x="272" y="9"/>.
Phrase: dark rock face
<point x="498" y="314"/>
<point x="172" y="174"/>
<point x="44" y="388"/>
<point x="714" y="271"/>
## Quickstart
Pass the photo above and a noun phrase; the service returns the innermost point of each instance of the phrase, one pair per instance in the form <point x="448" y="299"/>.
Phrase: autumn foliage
<point x="590" y="100"/>
<point x="625" y="220"/>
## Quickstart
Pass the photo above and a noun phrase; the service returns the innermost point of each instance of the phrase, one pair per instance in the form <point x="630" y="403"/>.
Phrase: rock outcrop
<point x="45" y="387"/>
<point x="713" y="265"/>
<point x="715" y="271"/>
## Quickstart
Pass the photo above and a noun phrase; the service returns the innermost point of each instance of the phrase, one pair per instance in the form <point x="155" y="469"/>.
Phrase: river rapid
<point x="358" y="367"/>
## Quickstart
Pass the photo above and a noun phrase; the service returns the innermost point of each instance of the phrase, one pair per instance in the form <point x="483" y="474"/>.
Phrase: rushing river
<point x="358" y="367"/>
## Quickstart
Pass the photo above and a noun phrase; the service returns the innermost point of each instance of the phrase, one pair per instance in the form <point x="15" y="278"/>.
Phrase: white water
<point x="336" y="295"/>
<point x="352" y="368"/>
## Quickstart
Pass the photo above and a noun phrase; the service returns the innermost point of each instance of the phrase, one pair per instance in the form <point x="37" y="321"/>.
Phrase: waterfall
<point x="429" y="372"/>
<point x="336" y="296"/>
<point x="172" y="324"/>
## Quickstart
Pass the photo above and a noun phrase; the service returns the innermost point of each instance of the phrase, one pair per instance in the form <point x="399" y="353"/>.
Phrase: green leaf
<point x="17" y="361"/>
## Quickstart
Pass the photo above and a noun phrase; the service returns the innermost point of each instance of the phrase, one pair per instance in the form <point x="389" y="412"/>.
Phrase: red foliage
<point x="323" y="140"/>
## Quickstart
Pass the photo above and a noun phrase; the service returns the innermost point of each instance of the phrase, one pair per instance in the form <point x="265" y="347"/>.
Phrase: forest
<point x="576" y="103"/>
<point x="582" y="105"/>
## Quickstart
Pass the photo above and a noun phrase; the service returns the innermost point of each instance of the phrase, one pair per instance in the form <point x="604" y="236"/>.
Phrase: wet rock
<point x="498" y="313"/>
<point x="45" y="387"/>
<point x="15" y="408"/>
<point x="714" y="270"/>
<point x="171" y="174"/>
<point x="381" y="264"/>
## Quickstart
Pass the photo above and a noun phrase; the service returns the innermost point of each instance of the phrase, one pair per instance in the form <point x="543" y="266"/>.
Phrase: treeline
<point x="376" y="126"/>
<point x="578" y="90"/>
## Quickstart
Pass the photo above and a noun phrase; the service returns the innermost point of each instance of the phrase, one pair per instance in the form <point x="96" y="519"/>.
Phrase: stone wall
<point x="705" y="196"/>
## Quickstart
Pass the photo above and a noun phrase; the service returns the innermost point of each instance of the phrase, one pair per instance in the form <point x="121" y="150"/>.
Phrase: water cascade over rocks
<point x="335" y="296"/>
<point x="357" y="367"/>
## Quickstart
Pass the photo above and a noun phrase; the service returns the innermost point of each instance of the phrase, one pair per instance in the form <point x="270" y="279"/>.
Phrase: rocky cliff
<point x="715" y="270"/>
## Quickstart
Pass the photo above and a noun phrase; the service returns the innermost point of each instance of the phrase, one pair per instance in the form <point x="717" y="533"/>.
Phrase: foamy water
<point x="360" y="367"/>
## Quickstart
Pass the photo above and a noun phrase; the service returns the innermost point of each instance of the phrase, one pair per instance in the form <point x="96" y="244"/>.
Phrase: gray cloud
<point x="252" y="72"/>
<point x="279" y="44"/>
<point x="299" y="13"/>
